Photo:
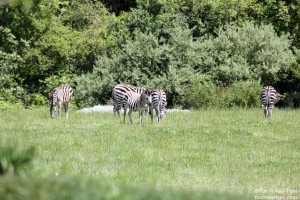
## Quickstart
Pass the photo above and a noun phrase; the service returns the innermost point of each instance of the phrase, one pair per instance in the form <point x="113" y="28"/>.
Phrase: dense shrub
<point x="231" y="65"/>
<point x="160" y="56"/>
<point x="207" y="95"/>
<point x="164" y="44"/>
<point x="246" y="52"/>
<point x="243" y="94"/>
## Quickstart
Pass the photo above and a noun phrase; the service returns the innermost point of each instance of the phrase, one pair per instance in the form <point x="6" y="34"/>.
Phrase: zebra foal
<point x="159" y="103"/>
<point x="136" y="102"/>
<point x="268" y="98"/>
<point x="60" y="95"/>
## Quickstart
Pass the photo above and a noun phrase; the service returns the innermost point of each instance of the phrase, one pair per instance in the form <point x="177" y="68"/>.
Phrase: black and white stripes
<point x="60" y="95"/>
<point x="268" y="98"/>
<point x="137" y="102"/>
<point x="159" y="103"/>
<point x="120" y="95"/>
<point x="128" y="96"/>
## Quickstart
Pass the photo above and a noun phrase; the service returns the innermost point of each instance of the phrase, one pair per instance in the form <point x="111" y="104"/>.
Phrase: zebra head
<point x="147" y="96"/>
<point x="163" y="112"/>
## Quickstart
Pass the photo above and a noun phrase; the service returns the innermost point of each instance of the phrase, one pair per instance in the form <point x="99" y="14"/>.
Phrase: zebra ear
<point x="148" y="92"/>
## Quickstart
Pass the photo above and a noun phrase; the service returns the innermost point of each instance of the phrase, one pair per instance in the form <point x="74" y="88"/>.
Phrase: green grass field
<point x="222" y="151"/>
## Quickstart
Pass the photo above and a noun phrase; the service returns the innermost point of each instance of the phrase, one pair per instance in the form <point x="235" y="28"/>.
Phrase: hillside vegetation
<point x="227" y="50"/>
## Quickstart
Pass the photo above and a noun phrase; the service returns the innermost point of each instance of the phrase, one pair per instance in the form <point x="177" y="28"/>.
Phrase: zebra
<point x="120" y="95"/>
<point x="60" y="95"/>
<point x="137" y="102"/>
<point x="159" y="103"/>
<point x="268" y="98"/>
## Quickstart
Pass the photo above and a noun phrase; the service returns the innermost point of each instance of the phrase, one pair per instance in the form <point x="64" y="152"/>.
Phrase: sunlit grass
<point x="235" y="151"/>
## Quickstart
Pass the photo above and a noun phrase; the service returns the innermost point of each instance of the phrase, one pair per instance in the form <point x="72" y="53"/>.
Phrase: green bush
<point x="207" y="95"/>
<point x="202" y="95"/>
<point x="4" y="105"/>
<point x="167" y="56"/>
<point x="38" y="100"/>
<point x="246" y="52"/>
<point x="243" y="95"/>
<point x="154" y="51"/>
<point x="15" y="161"/>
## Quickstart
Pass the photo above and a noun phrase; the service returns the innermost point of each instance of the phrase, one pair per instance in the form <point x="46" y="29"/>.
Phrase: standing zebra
<point x="60" y="95"/>
<point x="136" y="102"/>
<point x="268" y="98"/>
<point x="159" y="103"/>
<point x="120" y="95"/>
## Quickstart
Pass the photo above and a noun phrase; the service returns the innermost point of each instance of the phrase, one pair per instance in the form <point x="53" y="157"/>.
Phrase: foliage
<point x="25" y="5"/>
<point x="149" y="57"/>
<point x="5" y="105"/>
<point x="47" y="42"/>
<point x="289" y="84"/>
<point x="147" y="43"/>
<point x="243" y="94"/>
<point x="170" y="58"/>
<point x="14" y="160"/>
<point x="248" y="52"/>
<point x="84" y="189"/>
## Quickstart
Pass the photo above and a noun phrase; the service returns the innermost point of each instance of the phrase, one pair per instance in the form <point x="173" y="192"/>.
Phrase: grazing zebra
<point x="268" y="98"/>
<point x="159" y="103"/>
<point x="137" y="102"/>
<point x="120" y="95"/>
<point x="60" y="95"/>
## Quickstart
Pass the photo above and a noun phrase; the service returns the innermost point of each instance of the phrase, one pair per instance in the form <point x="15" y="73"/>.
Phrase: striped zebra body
<point x="159" y="103"/>
<point x="120" y="95"/>
<point x="136" y="102"/>
<point x="268" y="98"/>
<point x="61" y="95"/>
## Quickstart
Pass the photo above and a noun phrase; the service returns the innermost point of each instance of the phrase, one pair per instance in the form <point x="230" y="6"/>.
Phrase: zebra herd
<point x="123" y="96"/>
<point x="142" y="100"/>
<point x="139" y="99"/>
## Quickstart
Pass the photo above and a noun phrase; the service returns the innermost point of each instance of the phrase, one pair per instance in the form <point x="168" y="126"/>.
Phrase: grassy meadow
<point x="206" y="153"/>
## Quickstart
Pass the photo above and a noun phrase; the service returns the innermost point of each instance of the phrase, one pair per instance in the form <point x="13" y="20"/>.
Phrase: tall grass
<point x="235" y="151"/>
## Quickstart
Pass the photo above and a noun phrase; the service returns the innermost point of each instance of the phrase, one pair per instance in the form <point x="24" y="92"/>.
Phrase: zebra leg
<point x="270" y="111"/>
<point x="151" y="113"/>
<point x="118" y="110"/>
<point x="141" y="112"/>
<point x="66" y="106"/>
<point x="265" y="111"/>
<point x="59" y="108"/>
<point x="157" y="114"/>
<point x="129" y="115"/>
<point x="125" y="111"/>
<point x="52" y="110"/>
<point x="114" y="109"/>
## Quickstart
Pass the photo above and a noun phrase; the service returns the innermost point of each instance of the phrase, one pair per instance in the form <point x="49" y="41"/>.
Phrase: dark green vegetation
<point x="229" y="47"/>
<point x="211" y="154"/>
<point x="89" y="189"/>
<point x="56" y="188"/>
